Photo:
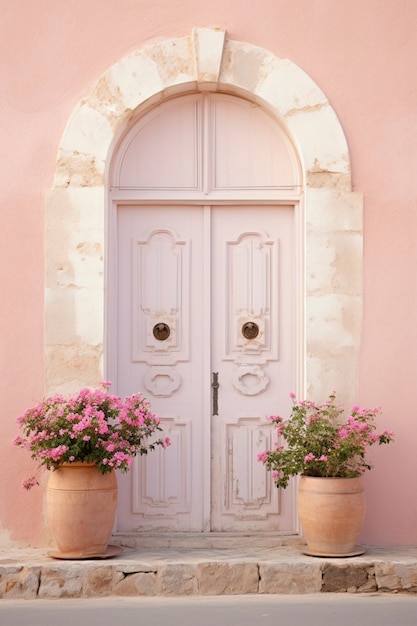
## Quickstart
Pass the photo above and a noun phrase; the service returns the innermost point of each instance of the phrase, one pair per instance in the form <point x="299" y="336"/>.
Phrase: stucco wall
<point x="363" y="57"/>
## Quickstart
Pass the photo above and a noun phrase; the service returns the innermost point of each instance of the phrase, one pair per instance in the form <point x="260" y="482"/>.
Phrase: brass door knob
<point x="250" y="330"/>
<point x="161" y="331"/>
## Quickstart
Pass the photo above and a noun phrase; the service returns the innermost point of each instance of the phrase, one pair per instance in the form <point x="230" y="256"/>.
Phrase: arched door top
<point x="206" y="60"/>
<point x="205" y="144"/>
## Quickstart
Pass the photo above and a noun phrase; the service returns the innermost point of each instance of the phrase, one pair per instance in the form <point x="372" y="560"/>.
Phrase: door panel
<point x="177" y="267"/>
<point x="253" y="351"/>
<point x="159" y="353"/>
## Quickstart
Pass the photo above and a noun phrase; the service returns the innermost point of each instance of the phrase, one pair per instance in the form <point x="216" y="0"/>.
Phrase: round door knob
<point x="250" y="330"/>
<point x="161" y="331"/>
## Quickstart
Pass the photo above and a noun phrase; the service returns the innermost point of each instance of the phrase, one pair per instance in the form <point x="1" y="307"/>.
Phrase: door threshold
<point x="211" y="540"/>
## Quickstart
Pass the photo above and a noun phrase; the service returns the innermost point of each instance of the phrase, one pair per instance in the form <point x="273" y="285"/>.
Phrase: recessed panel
<point x="251" y="296"/>
<point x="152" y="154"/>
<point x="160" y="287"/>
<point x="162" y="483"/>
<point x="249" y="491"/>
<point x="261" y="157"/>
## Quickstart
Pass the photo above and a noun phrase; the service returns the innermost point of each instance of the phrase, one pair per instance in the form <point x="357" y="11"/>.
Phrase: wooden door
<point x="202" y="282"/>
<point x="159" y="347"/>
<point x="201" y="290"/>
<point x="253" y="348"/>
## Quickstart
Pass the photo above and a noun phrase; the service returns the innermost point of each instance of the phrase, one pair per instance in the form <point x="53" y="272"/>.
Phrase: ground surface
<point x="251" y="610"/>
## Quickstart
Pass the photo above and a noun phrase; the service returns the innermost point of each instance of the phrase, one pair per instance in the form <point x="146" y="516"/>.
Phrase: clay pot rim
<point x="331" y="477"/>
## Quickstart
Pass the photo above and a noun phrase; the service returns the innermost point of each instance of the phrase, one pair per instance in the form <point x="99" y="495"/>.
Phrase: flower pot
<point x="81" y="508"/>
<point x="331" y="512"/>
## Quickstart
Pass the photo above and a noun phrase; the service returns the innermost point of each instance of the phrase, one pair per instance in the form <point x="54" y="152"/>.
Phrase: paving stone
<point x="177" y="579"/>
<point x="396" y="576"/>
<point x="370" y="584"/>
<point x="20" y="583"/>
<point x="99" y="581"/>
<point x="137" y="584"/>
<point x="228" y="578"/>
<point x="346" y="577"/>
<point x="290" y="577"/>
<point x="61" y="581"/>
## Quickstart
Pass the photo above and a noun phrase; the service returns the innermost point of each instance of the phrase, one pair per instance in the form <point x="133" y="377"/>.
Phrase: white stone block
<point x="70" y="367"/>
<point x="79" y="208"/>
<point x="330" y="210"/>
<point x="75" y="238"/>
<point x="175" y="60"/>
<point x="137" y="78"/>
<point x="74" y="315"/>
<point x="243" y="66"/>
<point x="88" y="132"/>
<point x="321" y="152"/>
<point x="302" y="94"/>
<point x="328" y="374"/>
<point x="208" y="51"/>
<point x="334" y="263"/>
<point x="333" y="323"/>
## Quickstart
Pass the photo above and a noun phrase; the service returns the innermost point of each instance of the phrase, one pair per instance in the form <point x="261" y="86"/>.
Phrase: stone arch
<point x="75" y="208"/>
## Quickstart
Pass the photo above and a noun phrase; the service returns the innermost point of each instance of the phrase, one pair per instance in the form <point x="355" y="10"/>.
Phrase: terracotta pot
<point x="81" y="507"/>
<point x="331" y="512"/>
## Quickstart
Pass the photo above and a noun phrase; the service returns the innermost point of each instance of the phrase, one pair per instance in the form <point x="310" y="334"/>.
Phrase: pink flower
<point x="275" y="418"/>
<point x="262" y="456"/>
<point x="280" y="428"/>
<point x="120" y="458"/>
<point x="343" y="433"/>
<point x="56" y="428"/>
<point x="309" y="457"/>
<point x="28" y="483"/>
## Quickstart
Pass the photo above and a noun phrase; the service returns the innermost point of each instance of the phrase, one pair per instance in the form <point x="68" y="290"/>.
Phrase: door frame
<point x="111" y="309"/>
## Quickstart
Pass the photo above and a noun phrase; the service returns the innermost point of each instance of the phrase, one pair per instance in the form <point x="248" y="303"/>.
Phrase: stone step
<point x="210" y="540"/>
<point x="212" y="566"/>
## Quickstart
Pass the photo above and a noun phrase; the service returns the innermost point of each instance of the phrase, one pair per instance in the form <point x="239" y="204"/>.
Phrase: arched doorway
<point x="203" y="285"/>
<point x="328" y="224"/>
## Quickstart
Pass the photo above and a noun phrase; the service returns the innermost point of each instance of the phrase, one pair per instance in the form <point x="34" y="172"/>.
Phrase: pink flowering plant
<point x="92" y="426"/>
<point x="317" y="440"/>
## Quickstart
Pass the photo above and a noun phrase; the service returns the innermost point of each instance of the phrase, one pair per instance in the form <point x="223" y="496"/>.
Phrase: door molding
<point x="330" y="224"/>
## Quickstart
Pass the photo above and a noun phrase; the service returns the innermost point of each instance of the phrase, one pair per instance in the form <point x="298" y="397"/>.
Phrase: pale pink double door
<point x="206" y="330"/>
<point x="203" y="309"/>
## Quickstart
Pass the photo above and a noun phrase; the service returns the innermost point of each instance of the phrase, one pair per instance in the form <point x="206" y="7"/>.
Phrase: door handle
<point x="215" y="388"/>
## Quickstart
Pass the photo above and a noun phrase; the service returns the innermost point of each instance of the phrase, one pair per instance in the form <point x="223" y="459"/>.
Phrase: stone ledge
<point x="30" y="574"/>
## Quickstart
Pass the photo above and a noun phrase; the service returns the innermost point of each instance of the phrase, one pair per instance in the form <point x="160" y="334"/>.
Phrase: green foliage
<point x="317" y="441"/>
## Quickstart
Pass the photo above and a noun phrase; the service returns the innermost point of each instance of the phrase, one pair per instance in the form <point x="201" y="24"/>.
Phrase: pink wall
<point x="362" y="53"/>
